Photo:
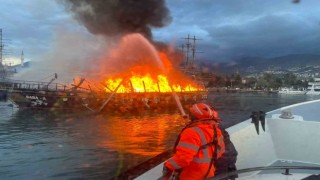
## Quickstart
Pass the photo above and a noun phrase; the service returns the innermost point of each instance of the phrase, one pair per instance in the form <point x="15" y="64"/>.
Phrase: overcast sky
<point x="229" y="29"/>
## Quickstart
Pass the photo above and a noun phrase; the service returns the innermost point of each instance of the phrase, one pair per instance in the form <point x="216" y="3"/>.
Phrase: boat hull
<point x="133" y="103"/>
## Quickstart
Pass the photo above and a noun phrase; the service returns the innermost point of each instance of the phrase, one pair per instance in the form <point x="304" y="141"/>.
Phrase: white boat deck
<point x="310" y="111"/>
<point x="291" y="140"/>
<point x="285" y="141"/>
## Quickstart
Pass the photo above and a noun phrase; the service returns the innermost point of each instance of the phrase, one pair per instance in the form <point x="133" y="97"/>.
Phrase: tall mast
<point x="194" y="50"/>
<point x="2" y="45"/>
<point x="190" y="46"/>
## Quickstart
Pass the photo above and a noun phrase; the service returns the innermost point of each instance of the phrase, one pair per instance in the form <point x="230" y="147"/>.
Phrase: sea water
<point x="42" y="145"/>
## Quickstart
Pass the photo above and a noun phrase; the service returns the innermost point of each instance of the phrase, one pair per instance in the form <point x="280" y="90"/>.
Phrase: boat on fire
<point x="78" y="98"/>
<point x="286" y="147"/>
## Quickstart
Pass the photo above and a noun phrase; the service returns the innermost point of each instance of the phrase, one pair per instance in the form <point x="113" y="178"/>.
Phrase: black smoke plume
<point x="120" y="17"/>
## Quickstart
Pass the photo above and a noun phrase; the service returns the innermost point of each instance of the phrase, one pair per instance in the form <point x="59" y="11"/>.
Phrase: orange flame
<point x="143" y="69"/>
<point x="140" y="80"/>
<point x="146" y="83"/>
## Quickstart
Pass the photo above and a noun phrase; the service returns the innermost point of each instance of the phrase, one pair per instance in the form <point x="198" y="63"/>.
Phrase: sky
<point x="228" y="29"/>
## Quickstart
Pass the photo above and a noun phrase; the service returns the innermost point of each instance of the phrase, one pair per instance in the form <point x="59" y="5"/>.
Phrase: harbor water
<point x="44" y="145"/>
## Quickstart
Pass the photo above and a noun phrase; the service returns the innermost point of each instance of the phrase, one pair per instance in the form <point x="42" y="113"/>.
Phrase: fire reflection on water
<point x="84" y="146"/>
<point x="145" y="136"/>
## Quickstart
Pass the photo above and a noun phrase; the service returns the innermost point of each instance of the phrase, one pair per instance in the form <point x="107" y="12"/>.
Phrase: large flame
<point x="147" y="71"/>
<point x="146" y="83"/>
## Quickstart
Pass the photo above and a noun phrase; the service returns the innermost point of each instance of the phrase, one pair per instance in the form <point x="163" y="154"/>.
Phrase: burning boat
<point x="135" y="73"/>
<point x="132" y="78"/>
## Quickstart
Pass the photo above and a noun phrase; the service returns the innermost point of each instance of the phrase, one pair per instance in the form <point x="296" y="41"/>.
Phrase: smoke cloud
<point x="120" y="17"/>
<point x="72" y="54"/>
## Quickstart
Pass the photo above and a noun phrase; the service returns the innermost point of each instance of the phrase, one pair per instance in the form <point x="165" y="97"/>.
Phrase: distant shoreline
<point x="238" y="90"/>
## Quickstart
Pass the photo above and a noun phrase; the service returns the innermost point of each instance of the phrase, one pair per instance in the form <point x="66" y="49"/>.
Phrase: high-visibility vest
<point x="195" y="151"/>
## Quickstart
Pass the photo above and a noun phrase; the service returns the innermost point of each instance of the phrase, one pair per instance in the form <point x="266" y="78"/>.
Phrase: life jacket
<point x="197" y="147"/>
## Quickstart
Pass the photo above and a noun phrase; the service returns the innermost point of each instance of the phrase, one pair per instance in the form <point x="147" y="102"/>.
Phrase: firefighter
<point x="198" y="146"/>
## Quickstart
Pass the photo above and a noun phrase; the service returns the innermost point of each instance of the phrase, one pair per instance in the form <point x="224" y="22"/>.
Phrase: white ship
<point x="291" y="91"/>
<point x="314" y="87"/>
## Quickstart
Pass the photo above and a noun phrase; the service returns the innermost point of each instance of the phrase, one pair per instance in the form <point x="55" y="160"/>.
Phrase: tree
<point x="221" y="81"/>
<point x="251" y="82"/>
<point x="269" y="81"/>
<point x="217" y="81"/>
<point x="236" y="80"/>
<point x="289" y="79"/>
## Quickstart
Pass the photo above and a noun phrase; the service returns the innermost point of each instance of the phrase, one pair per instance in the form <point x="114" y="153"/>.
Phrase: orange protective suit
<point x="195" y="150"/>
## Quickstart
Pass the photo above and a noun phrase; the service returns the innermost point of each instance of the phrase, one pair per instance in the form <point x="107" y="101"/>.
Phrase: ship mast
<point x="3" y="42"/>
<point x="2" y="45"/>
<point x="194" y="51"/>
<point x="190" y="46"/>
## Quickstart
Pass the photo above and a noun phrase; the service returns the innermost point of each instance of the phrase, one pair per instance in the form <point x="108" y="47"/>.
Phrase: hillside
<point x="249" y="65"/>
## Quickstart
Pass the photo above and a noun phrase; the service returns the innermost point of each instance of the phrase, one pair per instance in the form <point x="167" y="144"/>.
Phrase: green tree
<point x="251" y="82"/>
<point x="289" y="80"/>
<point x="221" y="81"/>
<point x="217" y="81"/>
<point x="269" y="81"/>
<point x="236" y="80"/>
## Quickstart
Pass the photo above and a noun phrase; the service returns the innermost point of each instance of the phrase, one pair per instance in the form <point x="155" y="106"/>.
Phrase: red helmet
<point x="203" y="111"/>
